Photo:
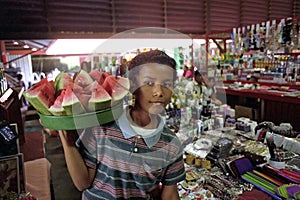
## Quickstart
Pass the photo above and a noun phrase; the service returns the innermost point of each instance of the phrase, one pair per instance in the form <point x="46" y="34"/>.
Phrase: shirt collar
<point x="128" y="131"/>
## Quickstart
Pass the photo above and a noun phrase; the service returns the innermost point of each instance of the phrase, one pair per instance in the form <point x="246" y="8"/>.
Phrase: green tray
<point x="80" y="121"/>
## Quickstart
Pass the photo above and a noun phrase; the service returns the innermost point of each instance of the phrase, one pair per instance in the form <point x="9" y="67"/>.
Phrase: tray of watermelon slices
<point x="80" y="101"/>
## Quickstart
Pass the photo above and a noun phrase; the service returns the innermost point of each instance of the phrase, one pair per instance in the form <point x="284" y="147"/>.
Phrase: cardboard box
<point x="243" y="111"/>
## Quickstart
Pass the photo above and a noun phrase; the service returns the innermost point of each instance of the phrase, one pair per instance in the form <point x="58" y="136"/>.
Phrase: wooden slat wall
<point x="281" y="9"/>
<point x="186" y="16"/>
<point x="223" y="15"/>
<point x="52" y="19"/>
<point x="135" y="14"/>
<point x="88" y="15"/>
<point x="22" y="16"/>
<point x="254" y="11"/>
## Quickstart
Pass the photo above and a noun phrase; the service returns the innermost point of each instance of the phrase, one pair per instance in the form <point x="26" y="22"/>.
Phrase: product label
<point x="7" y="134"/>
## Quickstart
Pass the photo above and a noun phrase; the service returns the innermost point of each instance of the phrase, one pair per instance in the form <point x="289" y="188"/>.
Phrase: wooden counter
<point x="271" y="105"/>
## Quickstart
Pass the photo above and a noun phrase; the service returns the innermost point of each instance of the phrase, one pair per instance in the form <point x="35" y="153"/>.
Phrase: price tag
<point x="7" y="134"/>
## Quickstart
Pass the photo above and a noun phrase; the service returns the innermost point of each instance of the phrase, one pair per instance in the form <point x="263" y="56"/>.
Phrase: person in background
<point x="124" y="67"/>
<point x="85" y="66"/>
<point x="136" y="156"/>
<point x="210" y="91"/>
<point x="188" y="72"/>
<point x="196" y="86"/>
<point x="218" y="73"/>
<point x="22" y="83"/>
<point x="180" y="73"/>
<point x="203" y="88"/>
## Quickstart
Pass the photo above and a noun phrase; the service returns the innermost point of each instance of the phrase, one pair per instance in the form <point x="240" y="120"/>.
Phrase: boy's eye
<point x="168" y="84"/>
<point x="149" y="83"/>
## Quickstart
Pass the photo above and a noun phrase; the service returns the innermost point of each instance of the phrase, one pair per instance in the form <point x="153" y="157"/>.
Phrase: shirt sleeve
<point x="87" y="146"/>
<point x="175" y="172"/>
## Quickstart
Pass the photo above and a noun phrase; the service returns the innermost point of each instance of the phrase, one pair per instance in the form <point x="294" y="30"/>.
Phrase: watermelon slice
<point x="62" y="81"/>
<point x="71" y="103"/>
<point x="56" y="108"/>
<point x="84" y="99"/>
<point x="100" y="99"/>
<point x="117" y="87"/>
<point x="41" y="96"/>
<point x="97" y="76"/>
<point x="83" y="78"/>
<point x="83" y="94"/>
<point x="77" y="89"/>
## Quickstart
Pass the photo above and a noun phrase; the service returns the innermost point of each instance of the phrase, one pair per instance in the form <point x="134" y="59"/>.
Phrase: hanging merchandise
<point x="294" y="34"/>
<point x="279" y="31"/>
<point x="262" y="36"/>
<point x="286" y="31"/>
<point x="253" y="38"/>
<point x="257" y="37"/>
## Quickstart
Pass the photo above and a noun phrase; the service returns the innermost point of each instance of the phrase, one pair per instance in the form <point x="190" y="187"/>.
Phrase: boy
<point x="136" y="156"/>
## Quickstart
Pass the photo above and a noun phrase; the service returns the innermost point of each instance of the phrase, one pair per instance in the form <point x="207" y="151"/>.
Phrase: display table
<point x="237" y="166"/>
<point x="274" y="106"/>
<point x="37" y="177"/>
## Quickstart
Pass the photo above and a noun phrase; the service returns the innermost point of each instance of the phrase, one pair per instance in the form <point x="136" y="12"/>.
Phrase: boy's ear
<point x="132" y="87"/>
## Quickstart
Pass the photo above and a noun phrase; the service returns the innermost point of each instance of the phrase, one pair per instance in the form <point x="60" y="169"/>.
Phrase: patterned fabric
<point x="127" y="168"/>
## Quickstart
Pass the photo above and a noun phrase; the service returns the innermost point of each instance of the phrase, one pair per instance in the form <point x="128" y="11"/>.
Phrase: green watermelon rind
<point x="101" y="101"/>
<point x="57" y="111"/>
<point x="41" y="96"/>
<point x="60" y="81"/>
<point x="57" y="78"/>
<point x="74" y="109"/>
<point x="84" y="120"/>
<point x="96" y="105"/>
<point x="72" y="106"/>
<point x="37" y="104"/>
<point x="85" y="75"/>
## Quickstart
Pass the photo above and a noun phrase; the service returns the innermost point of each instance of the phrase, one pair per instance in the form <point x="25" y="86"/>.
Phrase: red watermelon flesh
<point x="41" y="96"/>
<point x="109" y="84"/>
<point x="117" y="87"/>
<point x="71" y="103"/>
<point x="77" y="89"/>
<point x="83" y="78"/>
<point x="41" y="82"/>
<point x="56" y="108"/>
<point x="89" y="89"/>
<point x="84" y="99"/>
<point x="100" y="99"/>
<point x="97" y="76"/>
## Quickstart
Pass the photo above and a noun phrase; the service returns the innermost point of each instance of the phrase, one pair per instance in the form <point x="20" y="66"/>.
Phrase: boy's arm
<point x="82" y="176"/>
<point x="170" y="192"/>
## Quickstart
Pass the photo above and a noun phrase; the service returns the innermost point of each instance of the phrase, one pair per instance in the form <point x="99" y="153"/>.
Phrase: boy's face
<point x="154" y="86"/>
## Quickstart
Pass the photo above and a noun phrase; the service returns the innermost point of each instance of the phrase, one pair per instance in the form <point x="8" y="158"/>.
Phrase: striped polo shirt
<point x="127" y="163"/>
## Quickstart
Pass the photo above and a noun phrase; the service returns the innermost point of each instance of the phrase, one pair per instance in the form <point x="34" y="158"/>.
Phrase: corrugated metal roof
<point x="52" y="19"/>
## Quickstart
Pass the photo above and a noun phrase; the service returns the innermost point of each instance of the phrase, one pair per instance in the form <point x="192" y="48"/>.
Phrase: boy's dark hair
<point x="152" y="56"/>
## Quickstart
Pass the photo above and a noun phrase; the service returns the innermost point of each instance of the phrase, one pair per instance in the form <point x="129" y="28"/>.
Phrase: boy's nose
<point x="157" y="90"/>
